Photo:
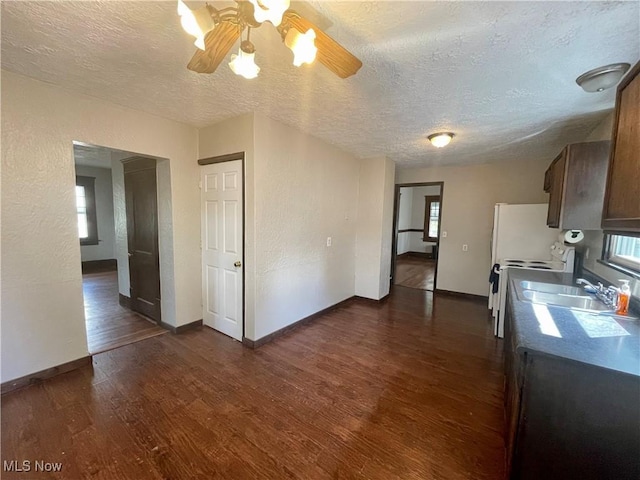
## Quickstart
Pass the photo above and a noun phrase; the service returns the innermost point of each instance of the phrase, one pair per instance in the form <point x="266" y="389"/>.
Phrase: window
<point x="86" y="209"/>
<point x="431" y="218"/>
<point x="623" y="251"/>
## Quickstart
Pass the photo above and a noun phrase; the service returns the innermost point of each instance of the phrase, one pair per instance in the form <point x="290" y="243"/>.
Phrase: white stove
<point x="562" y="260"/>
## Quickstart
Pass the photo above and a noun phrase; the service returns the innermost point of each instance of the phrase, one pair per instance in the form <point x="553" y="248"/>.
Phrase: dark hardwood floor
<point x="109" y="325"/>
<point x="407" y="389"/>
<point x="415" y="272"/>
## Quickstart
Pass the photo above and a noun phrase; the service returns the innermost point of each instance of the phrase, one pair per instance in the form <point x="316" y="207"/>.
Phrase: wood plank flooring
<point x="109" y="325"/>
<point x="407" y="389"/>
<point x="415" y="272"/>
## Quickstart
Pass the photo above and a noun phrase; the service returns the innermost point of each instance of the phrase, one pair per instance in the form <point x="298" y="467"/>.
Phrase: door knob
<point x="130" y="254"/>
<point x="237" y="264"/>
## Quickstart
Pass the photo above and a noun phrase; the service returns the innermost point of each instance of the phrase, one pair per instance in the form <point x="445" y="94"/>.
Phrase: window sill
<point x="84" y="243"/>
<point x="615" y="266"/>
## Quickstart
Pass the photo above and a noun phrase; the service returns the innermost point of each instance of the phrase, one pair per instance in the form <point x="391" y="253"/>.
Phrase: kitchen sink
<point x="554" y="288"/>
<point x="565" y="300"/>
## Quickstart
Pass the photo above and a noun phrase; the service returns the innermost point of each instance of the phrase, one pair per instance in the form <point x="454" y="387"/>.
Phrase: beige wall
<point x="375" y="224"/>
<point x="386" y="228"/>
<point x="305" y="191"/>
<point x="232" y="136"/>
<point x="42" y="304"/>
<point x="469" y="195"/>
<point x="299" y="191"/>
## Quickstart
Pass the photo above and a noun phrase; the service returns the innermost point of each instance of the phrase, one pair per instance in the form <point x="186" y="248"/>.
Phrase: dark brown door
<point x="142" y="234"/>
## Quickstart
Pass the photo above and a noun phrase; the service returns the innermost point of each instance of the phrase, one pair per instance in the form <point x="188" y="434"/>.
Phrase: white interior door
<point x="222" y="248"/>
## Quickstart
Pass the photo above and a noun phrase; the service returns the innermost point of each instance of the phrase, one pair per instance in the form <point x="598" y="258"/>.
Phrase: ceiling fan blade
<point x="330" y="53"/>
<point x="217" y="44"/>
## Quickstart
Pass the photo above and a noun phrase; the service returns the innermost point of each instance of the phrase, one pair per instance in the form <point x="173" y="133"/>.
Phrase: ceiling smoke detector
<point x="599" y="79"/>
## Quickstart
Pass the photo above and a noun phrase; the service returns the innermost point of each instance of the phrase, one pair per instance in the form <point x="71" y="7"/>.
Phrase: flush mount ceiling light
<point x="217" y="30"/>
<point x="440" y="139"/>
<point x="601" y="78"/>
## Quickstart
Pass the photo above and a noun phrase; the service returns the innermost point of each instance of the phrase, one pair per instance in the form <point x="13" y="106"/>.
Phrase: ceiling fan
<point x="217" y="30"/>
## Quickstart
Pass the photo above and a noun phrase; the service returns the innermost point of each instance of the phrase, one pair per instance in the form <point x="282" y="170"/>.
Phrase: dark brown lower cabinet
<point x="568" y="420"/>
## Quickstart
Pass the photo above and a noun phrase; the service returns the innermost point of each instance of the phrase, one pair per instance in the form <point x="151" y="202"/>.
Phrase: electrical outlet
<point x="465" y="248"/>
<point x="328" y="241"/>
<point x="444" y="234"/>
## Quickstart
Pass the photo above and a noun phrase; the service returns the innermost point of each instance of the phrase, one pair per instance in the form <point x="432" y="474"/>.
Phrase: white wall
<point x="120" y="222"/>
<point x="105" y="250"/>
<point x="373" y="250"/>
<point x="42" y="306"/>
<point x="417" y="208"/>
<point x="411" y="216"/>
<point x="405" y="206"/>
<point x="470" y="192"/>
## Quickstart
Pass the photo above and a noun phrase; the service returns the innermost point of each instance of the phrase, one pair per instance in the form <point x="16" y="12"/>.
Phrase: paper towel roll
<point x="571" y="236"/>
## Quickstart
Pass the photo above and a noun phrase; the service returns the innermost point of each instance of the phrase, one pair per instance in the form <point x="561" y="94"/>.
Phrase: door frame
<point x="396" y="211"/>
<point x="230" y="157"/>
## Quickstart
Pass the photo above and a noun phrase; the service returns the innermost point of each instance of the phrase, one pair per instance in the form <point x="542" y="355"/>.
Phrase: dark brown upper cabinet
<point x="575" y="181"/>
<point x="621" y="210"/>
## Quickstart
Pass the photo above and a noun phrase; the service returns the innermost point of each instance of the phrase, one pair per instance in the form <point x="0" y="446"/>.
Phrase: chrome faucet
<point x="587" y="283"/>
<point x="608" y="295"/>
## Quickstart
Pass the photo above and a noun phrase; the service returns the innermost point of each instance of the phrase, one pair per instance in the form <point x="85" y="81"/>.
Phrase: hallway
<point x="415" y="272"/>
<point x="110" y="325"/>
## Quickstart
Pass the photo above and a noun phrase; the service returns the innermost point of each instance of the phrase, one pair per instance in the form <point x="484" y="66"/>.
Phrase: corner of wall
<point x="387" y="228"/>
<point x="374" y="225"/>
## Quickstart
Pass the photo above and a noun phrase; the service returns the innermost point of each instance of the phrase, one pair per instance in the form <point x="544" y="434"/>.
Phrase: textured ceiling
<point x="501" y="75"/>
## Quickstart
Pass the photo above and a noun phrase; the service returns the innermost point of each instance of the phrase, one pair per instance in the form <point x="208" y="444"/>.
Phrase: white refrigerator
<point x="520" y="232"/>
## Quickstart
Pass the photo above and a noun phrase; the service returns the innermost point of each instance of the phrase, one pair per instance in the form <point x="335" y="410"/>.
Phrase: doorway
<point x="222" y="240"/>
<point x="102" y="230"/>
<point x="416" y="240"/>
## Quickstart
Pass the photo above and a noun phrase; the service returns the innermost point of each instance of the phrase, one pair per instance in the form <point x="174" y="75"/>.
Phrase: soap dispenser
<point x="623" y="297"/>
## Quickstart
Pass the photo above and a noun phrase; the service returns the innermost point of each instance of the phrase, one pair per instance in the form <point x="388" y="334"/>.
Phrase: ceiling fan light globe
<point x="302" y="45"/>
<point x="244" y="65"/>
<point x="182" y="8"/>
<point x="269" y="10"/>
<point x="200" y="43"/>
<point x="196" y="23"/>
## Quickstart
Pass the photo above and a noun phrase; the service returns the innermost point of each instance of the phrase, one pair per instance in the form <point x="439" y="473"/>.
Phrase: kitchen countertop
<point x="566" y="334"/>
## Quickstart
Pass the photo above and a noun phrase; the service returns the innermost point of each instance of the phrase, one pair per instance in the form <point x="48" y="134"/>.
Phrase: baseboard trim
<point x="182" y="328"/>
<point x="124" y="301"/>
<point x="371" y="300"/>
<point x="99" y="266"/>
<point x="304" y="321"/>
<point x="427" y="255"/>
<point x="38" y="377"/>
<point x="468" y="296"/>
